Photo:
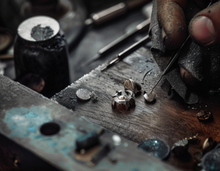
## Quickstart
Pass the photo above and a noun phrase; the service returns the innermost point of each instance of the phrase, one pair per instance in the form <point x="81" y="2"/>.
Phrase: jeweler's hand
<point x="178" y="18"/>
<point x="174" y="16"/>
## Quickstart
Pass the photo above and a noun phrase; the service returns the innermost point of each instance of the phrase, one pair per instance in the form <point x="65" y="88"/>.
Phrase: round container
<point x="41" y="48"/>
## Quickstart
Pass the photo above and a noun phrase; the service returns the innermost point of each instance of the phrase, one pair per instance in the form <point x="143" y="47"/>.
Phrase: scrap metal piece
<point x="151" y="97"/>
<point x="86" y="142"/>
<point x="123" y="100"/>
<point x="133" y="86"/>
<point x="180" y="148"/>
<point x="83" y="94"/>
<point x="208" y="144"/>
<point x="89" y="149"/>
<point x="102" y="152"/>
<point x="204" y="115"/>
<point x="155" y="147"/>
<point x="192" y="139"/>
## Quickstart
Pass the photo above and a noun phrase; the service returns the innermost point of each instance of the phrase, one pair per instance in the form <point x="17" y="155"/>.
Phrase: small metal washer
<point x="83" y="94"/>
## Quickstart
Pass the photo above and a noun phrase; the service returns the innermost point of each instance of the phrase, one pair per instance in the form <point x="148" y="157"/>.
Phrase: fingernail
<point x="203" y="30"/>
<point x="163" y="34"/>
<point x="166" y="41"/>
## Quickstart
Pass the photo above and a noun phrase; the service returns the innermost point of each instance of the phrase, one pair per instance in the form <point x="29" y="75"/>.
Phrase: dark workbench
<point x="168" y="119"/>
<point x="23" y="112"/>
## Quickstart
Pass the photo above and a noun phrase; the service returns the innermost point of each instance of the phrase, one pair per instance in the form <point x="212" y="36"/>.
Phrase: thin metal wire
<point x="173" y="59"/>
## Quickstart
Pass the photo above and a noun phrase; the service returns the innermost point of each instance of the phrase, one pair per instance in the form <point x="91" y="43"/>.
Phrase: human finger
<point x="172" y="19"/>
<point x="205" y="26"/>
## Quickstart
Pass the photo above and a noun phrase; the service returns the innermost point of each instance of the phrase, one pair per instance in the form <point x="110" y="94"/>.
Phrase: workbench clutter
<point x="207" y="156"/>
<point x="124" y="100"/>
<point x="85" y="95"/>
<point x="90" y="149"/>
<point x="180" y="148"/>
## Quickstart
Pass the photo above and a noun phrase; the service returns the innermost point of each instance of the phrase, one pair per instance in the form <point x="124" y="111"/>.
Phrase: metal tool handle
<point x="114" y="11"/>
<point x="109" y="13"/>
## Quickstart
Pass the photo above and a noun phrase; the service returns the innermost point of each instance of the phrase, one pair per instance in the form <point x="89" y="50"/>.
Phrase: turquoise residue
<point x="31" y="115"/>
<point x="25" y="122"/>
<point x="32" y="128"/>
<point x="135" y="169"/>
<point x="52" y="144"/>
<point x="66" y="150"/>
<point x="13" y="127"/>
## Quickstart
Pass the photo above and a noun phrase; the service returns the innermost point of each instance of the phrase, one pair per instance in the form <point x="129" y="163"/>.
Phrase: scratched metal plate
<point x="22" y="112"/>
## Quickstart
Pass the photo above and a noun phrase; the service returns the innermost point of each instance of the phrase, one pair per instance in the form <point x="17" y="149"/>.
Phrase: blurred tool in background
<point x="71" y="14"/>
<point x="140" y="27"/>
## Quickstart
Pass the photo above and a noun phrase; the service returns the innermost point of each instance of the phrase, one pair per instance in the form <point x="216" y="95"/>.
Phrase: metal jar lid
<point x="39" y="28"/>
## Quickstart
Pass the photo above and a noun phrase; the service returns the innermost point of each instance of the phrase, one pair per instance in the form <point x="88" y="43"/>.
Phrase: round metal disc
<point x="211" y="161"/>
<point x="155" y="147"/>
<point x="83" y="94"/>
<point x="25" y="28"/>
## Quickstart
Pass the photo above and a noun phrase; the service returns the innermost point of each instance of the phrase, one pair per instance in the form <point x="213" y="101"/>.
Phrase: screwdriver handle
<point x="114" y="11"/>
<point x="109" y="13"/>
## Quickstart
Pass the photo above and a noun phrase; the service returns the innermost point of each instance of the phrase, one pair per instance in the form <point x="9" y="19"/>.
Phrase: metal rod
<point x="143" y="25"/>
<point x="126" y="52"/>
<point x="173" y="60"/>
<point x="170" y="64"/>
